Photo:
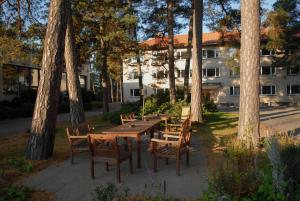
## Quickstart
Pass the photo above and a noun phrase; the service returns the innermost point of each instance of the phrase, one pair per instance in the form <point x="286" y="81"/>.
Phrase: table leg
<point x="138" y="151"/>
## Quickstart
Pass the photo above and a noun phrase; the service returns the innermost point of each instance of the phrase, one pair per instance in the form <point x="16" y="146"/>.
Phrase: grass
<point x="13" y="165"/>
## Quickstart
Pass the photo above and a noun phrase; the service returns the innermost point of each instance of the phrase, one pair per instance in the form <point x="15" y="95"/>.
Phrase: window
<point x="82" y="80"/>
<point x="211" y="72"/>
<point x="204" y="55"/>
<point x="235" y="71"/>
<point x="182" y="73"/>
<point x="133" y="75"/>
<point x="267" y="90"/>
<point x="134" y="92"/>
<point x="184" y="55"/>
<point x="293" y="89"/>
<point x="210" y="53"/>
<point x="265" y="52"/>
<point x="234" y="91"/>
<point x="217" y="53"/>
<point x="267" y="70"/>
<point x="293" y="70"/>
<point x="191" y="73"/>
<point x="160" y="74"/>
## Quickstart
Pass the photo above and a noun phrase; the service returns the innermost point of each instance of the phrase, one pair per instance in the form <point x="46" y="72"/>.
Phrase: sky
<point x="267" y="4"/>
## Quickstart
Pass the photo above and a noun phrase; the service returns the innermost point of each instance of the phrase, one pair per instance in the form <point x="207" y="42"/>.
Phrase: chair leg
<point x="188" y="159"/>
<point x="107" y="166"/>
<point x="167" y="161"/>
<point x="130" y="164"/>
<point x="154" y="163"/>
<point x="118" y="172"/>
<point x="178" y="165"/>
<point x="92" y="168"/>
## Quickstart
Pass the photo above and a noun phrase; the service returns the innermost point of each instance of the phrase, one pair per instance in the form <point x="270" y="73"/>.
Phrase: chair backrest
<point x="185" y="112"/>
<point x="185" y="135"/>
<point x="70" y="132"/>
<point x="103" y="145"/>
<point x="125" y="118"/>
<point x="83" y="129"/>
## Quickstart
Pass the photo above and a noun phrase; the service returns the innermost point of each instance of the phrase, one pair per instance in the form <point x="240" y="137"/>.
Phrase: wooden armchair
<point x="107" y="148"/>
<point x="174" y="145"/>
<point x="126" y="118"/>
<point x="78" y="139"/>
<point x="185" y="114"/>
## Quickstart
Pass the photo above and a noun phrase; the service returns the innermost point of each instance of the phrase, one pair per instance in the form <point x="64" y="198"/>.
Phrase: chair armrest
<point x="174" y="125"/>
<point x="171" y="132"/>
<point x="171" y="136"/>
<point x="164" y="141"/>
<point x="78" y="137"/>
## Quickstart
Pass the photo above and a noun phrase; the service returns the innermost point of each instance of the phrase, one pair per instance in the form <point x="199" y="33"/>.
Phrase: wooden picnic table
<point x="134" y="129"/>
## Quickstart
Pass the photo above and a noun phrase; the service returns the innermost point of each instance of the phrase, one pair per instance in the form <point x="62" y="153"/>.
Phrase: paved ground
<point x="285" y="119"/>
<point x="21" y="125"/>
<point x="73" y="182"/>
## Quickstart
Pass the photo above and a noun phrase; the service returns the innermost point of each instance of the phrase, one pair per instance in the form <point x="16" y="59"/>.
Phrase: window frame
<point x="132" y="92"/>
<point x="273" y="93"/>
<point x="289" y="70"/>
<point x="289" y="89"/>
<point x="217" y="69"/>
<point x="234" y="88"/>
<point x="273" y="70"/>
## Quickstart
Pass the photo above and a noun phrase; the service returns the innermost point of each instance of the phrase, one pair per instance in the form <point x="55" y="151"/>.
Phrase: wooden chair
<point x="174" y="145"/>
<point x="126" y="118"/>
<point x="185" y="116"/>
<point x="78" y="139"/>
<point x="107" y="148"/>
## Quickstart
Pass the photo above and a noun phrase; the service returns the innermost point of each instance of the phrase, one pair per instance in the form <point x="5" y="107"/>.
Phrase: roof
<point x="182" y="40"/>
<point x="211" y="38"/>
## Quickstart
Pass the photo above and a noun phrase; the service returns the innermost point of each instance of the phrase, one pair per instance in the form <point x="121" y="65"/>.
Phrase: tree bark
<point x="72" y="65"/>
<point x="196" y="99"/>
<point x="249" y="73"/>
<point x="105" y="82"/>
<point x="41" y="141"/>
<point x="189" y="54"/>
<point x="171" y="51"/>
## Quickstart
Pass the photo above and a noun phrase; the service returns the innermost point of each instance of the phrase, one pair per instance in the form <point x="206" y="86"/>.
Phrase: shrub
<point x="109" y="192"/>
<point x="209" y="105"/>
<point x="114" y="117"/>
<point x="13" y="192"/>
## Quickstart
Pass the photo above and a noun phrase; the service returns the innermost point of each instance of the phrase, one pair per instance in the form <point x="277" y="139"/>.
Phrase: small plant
<point x="19" y="193"/>
<point x="109" y="192"/>
<point x="21" y="164"/>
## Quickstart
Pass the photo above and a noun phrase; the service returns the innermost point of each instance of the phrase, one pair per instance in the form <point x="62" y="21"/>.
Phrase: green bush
<point x="21" y="164"/>
<point x="209" y="105"/>
<point x="19" y="193"/>
<point x="109" y="192"/>
<point x="114" y="117"/>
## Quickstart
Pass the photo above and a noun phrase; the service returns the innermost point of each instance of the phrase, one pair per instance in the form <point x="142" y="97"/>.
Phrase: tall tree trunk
<point x="111" y="89"/>
<point x="105" y="82"/>
<point x="72" y="65"/>
<point x="41" y="141"/>
<point x="196" y="99"/>
<point x="121" y="89"/>
<point x="117" y="91"/>
<point x="249" y="75"/>
<point x="189" y="54"/>
<point x="171" y="51"/>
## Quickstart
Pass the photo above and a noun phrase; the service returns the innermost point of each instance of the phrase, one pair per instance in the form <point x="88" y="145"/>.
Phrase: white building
<point x="279" y="85"/>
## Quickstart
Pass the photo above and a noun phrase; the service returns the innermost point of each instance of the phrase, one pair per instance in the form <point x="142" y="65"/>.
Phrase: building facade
<point x="279" y="85"/>
<point x="18" y="77"/>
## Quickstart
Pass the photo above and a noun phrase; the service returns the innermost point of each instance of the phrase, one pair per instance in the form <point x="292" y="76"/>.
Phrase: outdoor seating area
<point x="115" y="145"/>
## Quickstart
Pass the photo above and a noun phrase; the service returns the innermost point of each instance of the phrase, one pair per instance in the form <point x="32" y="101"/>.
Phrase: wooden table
<point x="134" y="129"/>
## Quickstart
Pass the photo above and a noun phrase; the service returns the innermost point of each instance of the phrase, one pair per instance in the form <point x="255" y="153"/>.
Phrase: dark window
<point x="133" y="75"/>
<point x="210" y="53"/>
<point x="135" y="92"/>
<point x="293" y="70"/>
<point x="268" y="90"/>
<point x="182" y="73"/>
<point x="191" y="73"/>
<point x="266" y="52"/>
<point x="293" y="89"/>
<point x="267" y="70"/>
<point x="211" y="72"/>
<point x="204" y="55"/>
<point x="234" y="91"/>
